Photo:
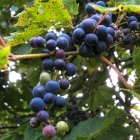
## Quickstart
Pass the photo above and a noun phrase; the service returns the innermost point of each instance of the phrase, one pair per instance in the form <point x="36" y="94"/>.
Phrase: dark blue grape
<point x="91" y="39"/>
<point x="88" y="25"/>
<point x="134" y="25"/>
<point x="131" y="18"/>
<point x="52" y="86"/>
<point x="51" y="35"/>
<point x="101" y="3"/>
<point x="101" y="46"/>
<point x="39" y="42"/>
<point x="78" y="33"/>
<point x="89" y="9"/>
<point x="49" y="98"/>
<point x="111" y="31"/>
<point x="32" y="42"/>
<point x="66" y="36"/>
<point x="59" y="64"/>
<point x="64" y="84"/>
<point x="60" y="53"/>
<point x="37" y="104"/>
<point x="60" y="101"/>
<point x="70" y="69"/>
<point x="107" y="20"/>
<point x="96" y="17"/>
<point x="101" y="32"/>
<point x="109" y="39"/>
<point x="42" y="116"/>
<point x="51" y="44"/>
<point x="38" y="91"/>
<point x="48" y="64"/>
<point x="63" y="43"/>
<point x="85" y="50"/>
<point x="128" y="39"/>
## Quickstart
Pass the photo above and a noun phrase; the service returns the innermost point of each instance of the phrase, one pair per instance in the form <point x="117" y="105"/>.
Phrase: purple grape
<point x="64" y="84"/>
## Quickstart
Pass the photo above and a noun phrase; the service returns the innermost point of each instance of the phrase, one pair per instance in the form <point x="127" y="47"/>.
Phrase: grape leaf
<point x="4" y="53"/>
<point x="39" y="18"/>
<point x="71" y="6"/>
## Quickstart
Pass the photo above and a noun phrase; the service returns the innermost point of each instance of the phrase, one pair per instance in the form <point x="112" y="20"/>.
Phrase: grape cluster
<point x="48" y="91"/>
<point x="93" y="39"/>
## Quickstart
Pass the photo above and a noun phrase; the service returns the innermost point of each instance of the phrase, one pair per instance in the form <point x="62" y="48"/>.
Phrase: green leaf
<point x="101" y="96"/>
<point x="136" y="58"/>
<point x="85" y="128"/>
<point x="39" y="18"/>
<point x="71" y="6"/>
<point x="4" y="53"/>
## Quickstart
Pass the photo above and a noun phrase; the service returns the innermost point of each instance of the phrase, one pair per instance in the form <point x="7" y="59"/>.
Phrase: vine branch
<point x="13" y="57"/>
<point x="122" y="79"/>
<point x="2" y="42"/>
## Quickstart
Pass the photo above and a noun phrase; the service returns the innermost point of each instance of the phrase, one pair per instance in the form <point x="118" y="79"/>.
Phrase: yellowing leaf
<point x="4" y="53"/>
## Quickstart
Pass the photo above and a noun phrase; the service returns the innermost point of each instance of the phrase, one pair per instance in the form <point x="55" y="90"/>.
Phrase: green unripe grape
<point x="44" y="77"/>
<point x="62" y="127"/>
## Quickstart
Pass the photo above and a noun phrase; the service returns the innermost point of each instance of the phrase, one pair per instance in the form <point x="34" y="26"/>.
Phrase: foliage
<point x="107" y="116"/>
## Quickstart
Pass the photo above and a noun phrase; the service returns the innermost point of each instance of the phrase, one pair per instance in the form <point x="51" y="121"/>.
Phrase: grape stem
<point x="13" y="57"/>
<point x="101" y="20"/>
<point x="122" y="79"/>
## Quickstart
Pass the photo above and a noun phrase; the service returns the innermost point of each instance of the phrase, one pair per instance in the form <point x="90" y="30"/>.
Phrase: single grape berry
<point x="134" y="25"/>
<point x="128" y="39"/>
<point x="49" y="98"/>
<point x="34" y="122"/>
<point x="60" y="53"/>
<point x="78" y="33"/>
<point x="109" y="39"/>
<point x="88" y="25"/>
<point x="111" y="31"/>
<point x="52" y="86"/>
<point x="96" y="17"/>
<point x="85" y="50"/>
<point x="38" y="91"/>
<point x="60" y="101"/>
<point x="44" y="77"/>
<point x="101" y="46"/>
<point x="45" y="51"/>
<point x="59" y="64"/>
<point x="39" y="42"/>
<point x="89" y="9"/>
<point x="42" y="116"/>
<point x="66" y="36"/>
<point x="48" y="64"/>
<point x="64" y="84"/>
<point x="62" y="127"/>
<point x="37" y="104"/>
<point x="91" y="39"/>
<point x="49" y="131"/>
<point x="131" y="18"/>
<point x="51" y="44"/>
<point x="70" y="69"/>
<point x="107" y="21"/>
<point x="32" y="42"/>
<point x="51" y="35"/>
<point x="62" y="43"/>
<point x="101" y="3"/>
<point x="101" y="32"/>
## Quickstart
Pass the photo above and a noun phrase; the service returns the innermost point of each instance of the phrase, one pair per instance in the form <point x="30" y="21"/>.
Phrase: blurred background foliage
<point x="97" y="97"/>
